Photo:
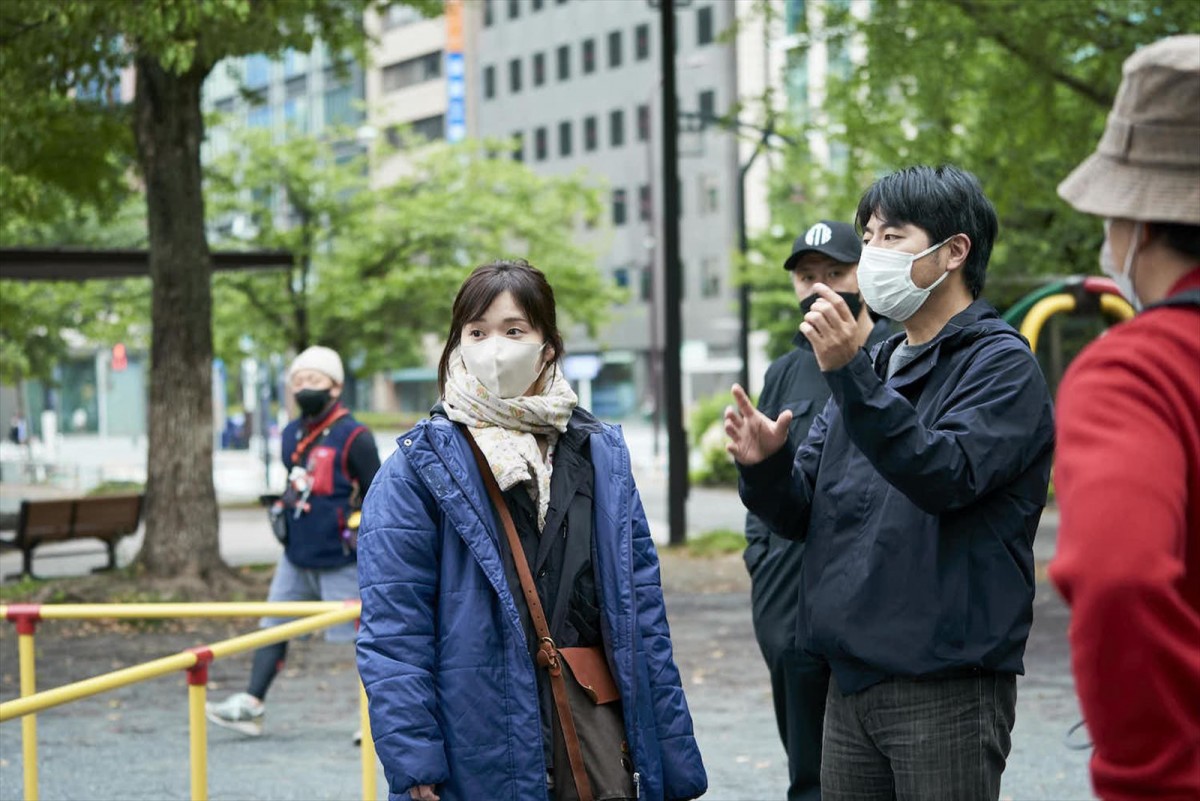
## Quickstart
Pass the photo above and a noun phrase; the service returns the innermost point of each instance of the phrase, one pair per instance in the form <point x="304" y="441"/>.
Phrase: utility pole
<point x="677" y="452"/>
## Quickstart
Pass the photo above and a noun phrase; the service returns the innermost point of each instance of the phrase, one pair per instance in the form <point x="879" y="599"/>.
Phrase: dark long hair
<point x="529" y="289"/>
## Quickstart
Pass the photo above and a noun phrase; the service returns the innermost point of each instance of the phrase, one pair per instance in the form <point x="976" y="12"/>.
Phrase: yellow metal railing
<point x="316" y="615"/>
<point x="1113" y="306"/>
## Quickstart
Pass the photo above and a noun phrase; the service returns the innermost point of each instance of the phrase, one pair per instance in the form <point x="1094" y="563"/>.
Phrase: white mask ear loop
<point x="922" y="255"/>
<point x="1135" y="241"/>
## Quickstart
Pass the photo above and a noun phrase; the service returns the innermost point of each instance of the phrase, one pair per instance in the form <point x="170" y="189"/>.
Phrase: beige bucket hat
<point x="1147" y="165"/>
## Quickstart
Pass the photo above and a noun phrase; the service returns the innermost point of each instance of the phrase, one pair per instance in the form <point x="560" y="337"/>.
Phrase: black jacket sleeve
<point x="994" y="425"/>
<point x="779" y="489"/>
<point x="362" y="461"/>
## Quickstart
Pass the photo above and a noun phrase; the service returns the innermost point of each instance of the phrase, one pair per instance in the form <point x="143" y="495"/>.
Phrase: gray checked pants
<point x="927" y="740"/>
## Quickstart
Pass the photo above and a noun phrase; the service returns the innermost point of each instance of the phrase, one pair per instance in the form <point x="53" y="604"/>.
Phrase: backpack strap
<point x="1187" y="298"/>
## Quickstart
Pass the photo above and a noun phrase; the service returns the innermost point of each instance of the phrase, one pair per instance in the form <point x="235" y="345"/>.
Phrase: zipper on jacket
<point x="637" y="785"/>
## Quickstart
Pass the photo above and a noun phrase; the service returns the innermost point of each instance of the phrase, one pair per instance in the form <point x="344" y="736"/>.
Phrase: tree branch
<point x="259" y="304"/>
<point x="973" y="10"/>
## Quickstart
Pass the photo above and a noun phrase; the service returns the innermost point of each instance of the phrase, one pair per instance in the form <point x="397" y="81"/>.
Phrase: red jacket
<point x="1127" y="475"/>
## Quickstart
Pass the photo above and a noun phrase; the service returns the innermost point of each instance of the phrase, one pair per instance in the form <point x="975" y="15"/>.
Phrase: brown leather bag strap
<point x="547" y="656"/>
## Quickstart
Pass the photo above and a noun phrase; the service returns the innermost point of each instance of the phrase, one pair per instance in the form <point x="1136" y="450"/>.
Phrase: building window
<point x="590" y="135"/>
<point x="295" y="113"/>
<point x="616" y="128"/>
<point x="412" y="71"/>
<point x="643" y="123"/>
<point x="487" y="13"/>
<point x="708" y="194"/>
<point x="539" y="69"/>
<point x="341" y="97"/>
<point x="430" y="128"/>
<point x="647" y="287"/>
<point x="536" y="5"/>
<point x="645" y="203"/>
<point x="589" y="56"/>
<point x="564" y="138"/>
<point x="259" y="117"/>
<point x="710" y="278"/>
<point x="514" y="76"/>
<point x="618" y="207"/>
<point x="258" y="72"/>
<point x="614" y="49"/>
<point x="621" y="277"/>
<point x="539" y="144"/>
<point x="641" y="42"/>
<point x="489" y="82"/>
<point x="514" y="9"/>
<point x="427" y="128"/>
<point x="708" y="107"/>
<point x="398" y="16"/>
<point x="295" y="63"/>
<point x="296" y="86"/>
<point x="518" y="152"/>
<point x="564" y="62"/>
<point x="704" y="26"/>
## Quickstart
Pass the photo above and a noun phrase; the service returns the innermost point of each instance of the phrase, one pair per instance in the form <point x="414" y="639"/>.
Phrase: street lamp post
<point x="677" y="478"/>
<point x="743" y="247"/>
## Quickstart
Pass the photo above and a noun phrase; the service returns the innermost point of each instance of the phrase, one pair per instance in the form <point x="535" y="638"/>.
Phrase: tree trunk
<point x="181" y="504"/>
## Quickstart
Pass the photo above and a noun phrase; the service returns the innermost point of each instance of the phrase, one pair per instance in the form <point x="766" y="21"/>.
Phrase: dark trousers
<point x="799" y="684"/>
<point x="931" y="740"/>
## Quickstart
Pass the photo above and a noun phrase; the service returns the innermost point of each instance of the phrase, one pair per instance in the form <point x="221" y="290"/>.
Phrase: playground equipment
<point x="1079" y="295"/>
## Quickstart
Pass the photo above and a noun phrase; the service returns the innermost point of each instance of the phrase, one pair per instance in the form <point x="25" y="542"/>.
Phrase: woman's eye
<point x="515" y="332"/>
<point x="476" y="334"/>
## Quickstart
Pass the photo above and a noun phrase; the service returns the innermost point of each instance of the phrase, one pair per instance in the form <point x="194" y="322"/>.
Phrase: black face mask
<point x="852" y="300"/>
<point x="312" y="401"/>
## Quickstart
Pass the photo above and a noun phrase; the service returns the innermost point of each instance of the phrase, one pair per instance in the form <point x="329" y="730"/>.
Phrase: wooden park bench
<point x="107" y="518"/>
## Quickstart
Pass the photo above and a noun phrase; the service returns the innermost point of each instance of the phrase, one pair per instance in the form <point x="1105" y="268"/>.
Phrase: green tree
<point x="51" y="49"/>
<point x="37" y="317"/>
<point x="375" y="269"/>
<point x="1016" y="92"/>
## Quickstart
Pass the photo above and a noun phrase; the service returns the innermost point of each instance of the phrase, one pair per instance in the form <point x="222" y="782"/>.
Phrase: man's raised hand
<point x="752" y="435"/>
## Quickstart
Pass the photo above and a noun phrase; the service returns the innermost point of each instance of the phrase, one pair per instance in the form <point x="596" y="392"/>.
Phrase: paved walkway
<point x="312" y="708"/>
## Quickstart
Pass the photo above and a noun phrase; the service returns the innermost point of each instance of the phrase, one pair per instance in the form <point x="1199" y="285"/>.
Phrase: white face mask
<point x="1123" y="280"/>
<point x="505" y="366"/>
<point x="885" y="280"/>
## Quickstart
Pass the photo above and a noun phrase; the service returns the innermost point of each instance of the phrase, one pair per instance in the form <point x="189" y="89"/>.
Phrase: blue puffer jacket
<point x="452" y="691"/>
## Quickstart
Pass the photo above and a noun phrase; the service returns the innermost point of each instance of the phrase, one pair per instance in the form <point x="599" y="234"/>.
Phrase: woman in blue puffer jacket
<point x="446" y="649"/>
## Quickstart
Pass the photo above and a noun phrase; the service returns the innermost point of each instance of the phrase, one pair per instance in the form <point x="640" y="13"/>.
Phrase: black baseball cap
<point x="837" y="240"/>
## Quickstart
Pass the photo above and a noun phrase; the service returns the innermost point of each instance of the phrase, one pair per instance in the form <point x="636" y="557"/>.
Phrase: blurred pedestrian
<point x="918" y="491"/>
<point x="1127" y="475"/>
<point x="506" y="564"/>
<point x="827" y="253"/>
<point x="332" y="459"/>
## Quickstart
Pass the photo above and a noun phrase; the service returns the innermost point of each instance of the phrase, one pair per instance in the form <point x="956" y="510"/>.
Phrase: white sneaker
<point x="241" y="712"/>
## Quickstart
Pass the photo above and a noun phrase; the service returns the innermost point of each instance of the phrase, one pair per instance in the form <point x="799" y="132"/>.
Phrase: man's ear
<point x="957" y="249"/>
<point x="335" y="391"/>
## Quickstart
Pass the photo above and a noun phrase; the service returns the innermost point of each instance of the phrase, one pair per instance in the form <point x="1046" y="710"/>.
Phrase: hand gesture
<point x="753" y="436"/>
<point x="423" y="792"/>
<point x="830" y="329"/>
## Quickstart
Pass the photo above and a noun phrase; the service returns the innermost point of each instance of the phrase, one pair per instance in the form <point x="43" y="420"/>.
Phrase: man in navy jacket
<point x="825" y="253"/>
<point x="918" y="492"/>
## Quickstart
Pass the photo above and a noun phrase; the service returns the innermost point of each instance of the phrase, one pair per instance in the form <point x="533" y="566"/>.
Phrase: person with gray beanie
<point x="331" y="459"/>
<point x="1127" y="474"/>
